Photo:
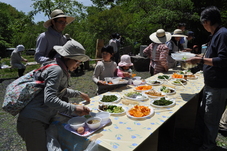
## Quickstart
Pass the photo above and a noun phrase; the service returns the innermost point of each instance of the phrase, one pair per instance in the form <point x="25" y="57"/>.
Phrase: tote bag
<point x="22" y="90"/>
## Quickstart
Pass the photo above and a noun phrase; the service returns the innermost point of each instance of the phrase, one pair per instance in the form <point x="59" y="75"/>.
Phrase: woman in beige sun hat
<point x="35" y="118"/>
<point x="158" y="52"/>
<point x="53" y="36"/>
<point x="174" y="45"/>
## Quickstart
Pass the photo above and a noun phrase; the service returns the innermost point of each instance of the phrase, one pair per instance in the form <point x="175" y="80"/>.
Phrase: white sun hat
<point x="160" y="36"/>
<point x="73" y="50"/>
<point x="178" y="33"/>
<point x="57" y="13"/>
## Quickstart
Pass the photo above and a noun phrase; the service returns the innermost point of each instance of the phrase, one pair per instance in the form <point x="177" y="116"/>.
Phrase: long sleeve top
<point x="45" y="43"/>
<point x="215" y="76"/>
<point x="102" y="70"/>
<point x="50" y="100"/>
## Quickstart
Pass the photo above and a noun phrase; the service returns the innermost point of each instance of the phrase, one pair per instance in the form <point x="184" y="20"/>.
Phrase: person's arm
<point x="41" y="49"/>
<point x="196" y="60"/>
<point x="163" y="57"/>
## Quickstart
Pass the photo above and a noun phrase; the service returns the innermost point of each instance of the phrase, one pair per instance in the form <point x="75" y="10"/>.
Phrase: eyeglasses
<point x="78" y="63"/>
<point x="62" y="22"/>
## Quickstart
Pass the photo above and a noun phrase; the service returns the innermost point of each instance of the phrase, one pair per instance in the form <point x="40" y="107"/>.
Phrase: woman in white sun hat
<point x="158" y="52"/>
<point x="16" y="58"/>
<point x="35" y="118"/>
<point x="53" y="36"/>
<point x="124" y="67"/>
<point x="174" y="45"/>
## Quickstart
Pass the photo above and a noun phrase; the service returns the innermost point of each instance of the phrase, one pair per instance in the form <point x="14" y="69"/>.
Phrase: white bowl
<point x="105" y="116"/>
<point x="108" y="79"/>
<point x="77" y="122"/>
<point x="137" y="82"/>
<point x="115" y="81"/>
<point x="95" y="125"/>
<point x="137" y="78"/>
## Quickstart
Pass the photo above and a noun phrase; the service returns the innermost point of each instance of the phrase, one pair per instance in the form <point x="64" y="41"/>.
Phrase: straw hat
<point x="125" y="61"/>
<point x="160" y="36"/>
<point x="178" y="33"/>
<point x="73" y="50"/>
<point x="57" y="13"/>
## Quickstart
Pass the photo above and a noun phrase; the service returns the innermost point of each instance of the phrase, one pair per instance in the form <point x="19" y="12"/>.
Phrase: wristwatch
<point x="202" y="60"/>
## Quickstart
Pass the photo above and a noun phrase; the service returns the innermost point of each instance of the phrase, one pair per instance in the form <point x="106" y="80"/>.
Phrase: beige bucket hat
<point x="160" y="36"/>
<point x="178" y="33"/>
<point x="57" y="13"/>
<point x="125" y="61"/>
<point x="73" y="50"/>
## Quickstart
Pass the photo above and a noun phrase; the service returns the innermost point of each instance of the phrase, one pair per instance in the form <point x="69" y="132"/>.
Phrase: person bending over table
<point x="35" y="118"/>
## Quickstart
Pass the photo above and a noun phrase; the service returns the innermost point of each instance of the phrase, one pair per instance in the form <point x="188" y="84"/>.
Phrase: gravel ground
<point x="10" y="140"/>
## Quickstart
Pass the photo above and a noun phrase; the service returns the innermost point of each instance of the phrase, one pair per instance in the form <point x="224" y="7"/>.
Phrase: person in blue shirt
<point x="214" y="63"/>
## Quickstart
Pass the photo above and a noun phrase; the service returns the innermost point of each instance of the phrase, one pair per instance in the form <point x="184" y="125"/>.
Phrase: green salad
<point x="163" y="77"/>
<point x="166" y="90"/>
<point x="162" y="102"/>
<point x="109" y="98"/>
<point x="111" y="108"/>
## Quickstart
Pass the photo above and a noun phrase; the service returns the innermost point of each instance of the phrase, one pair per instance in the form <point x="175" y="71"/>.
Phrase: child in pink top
<point x="124" y="67"/>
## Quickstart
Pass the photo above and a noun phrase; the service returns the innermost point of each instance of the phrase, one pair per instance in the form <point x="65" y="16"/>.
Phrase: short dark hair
<point x="211" y="14"/>
<point x="108" y="49"/>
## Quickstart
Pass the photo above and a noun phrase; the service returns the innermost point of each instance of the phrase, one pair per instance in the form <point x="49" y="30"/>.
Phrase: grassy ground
<point x="10" y="140"/>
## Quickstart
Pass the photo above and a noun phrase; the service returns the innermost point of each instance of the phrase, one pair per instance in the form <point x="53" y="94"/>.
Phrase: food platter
<point x="142" y="88"/>
<point x="135" y="109"/>
<point x="191" y="77"/>
<point x="182" y="56"/>
<point x="164" y="77"/>
<point x="136" y="96"/>
<point x="167" y="90"/>
<point x="107" y="98"/>
<point x="179" y="82"/>
<point x="169" y="102"/>
<point x="154" y="82"/>
<point x="153" y="93"/>
<point x="110" y="107"/>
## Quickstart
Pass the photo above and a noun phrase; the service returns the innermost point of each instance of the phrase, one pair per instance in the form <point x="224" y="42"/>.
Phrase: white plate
<point x="152" y="82"/>
<point x="142" y="86"/>
<point x="192" y="78"/>
<point x="142" y="98"/>
<point x="164" y="75"/>
<point x="170" y="105"/>
<point x="144" y="117"/>
<point x="113" y="113"/>
<point x="108" y="94"/>
<point x="179" y="84"/>
<point x="153" y="96"/>
<point x="174" y="91"/>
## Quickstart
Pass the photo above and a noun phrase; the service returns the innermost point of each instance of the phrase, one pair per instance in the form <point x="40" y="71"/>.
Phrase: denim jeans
<point x="210" y="111"/>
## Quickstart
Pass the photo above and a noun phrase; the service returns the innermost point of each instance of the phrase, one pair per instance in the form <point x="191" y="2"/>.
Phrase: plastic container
<point x="77" y="122"/>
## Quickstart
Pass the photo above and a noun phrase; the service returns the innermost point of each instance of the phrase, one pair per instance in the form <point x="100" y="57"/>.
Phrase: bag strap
<point x="46" y="66"/>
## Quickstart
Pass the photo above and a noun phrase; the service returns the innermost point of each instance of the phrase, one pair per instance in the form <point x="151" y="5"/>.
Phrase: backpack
<point x="22" y="90"/>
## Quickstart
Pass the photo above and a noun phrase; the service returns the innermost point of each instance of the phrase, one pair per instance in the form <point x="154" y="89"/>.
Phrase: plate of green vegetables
<point x="110" y="98"/>
<point x="162" y="102"/>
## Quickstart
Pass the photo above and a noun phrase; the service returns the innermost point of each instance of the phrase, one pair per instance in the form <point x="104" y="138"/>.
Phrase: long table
<point x="128" y="134"/>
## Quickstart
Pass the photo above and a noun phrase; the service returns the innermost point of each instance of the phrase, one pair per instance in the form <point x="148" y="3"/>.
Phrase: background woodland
<point x="134" y="20"/>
